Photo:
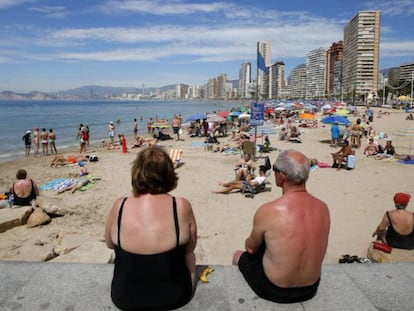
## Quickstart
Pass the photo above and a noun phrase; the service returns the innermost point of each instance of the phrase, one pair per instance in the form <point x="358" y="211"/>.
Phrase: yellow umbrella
<point x="342" y="112"/>
<point x="404" y="98"/>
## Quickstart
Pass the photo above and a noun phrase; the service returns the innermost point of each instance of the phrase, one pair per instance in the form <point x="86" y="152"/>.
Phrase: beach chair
<point x="250" y="191"/>
<point x="250" y="148"/>
<point x="176" y="157"/>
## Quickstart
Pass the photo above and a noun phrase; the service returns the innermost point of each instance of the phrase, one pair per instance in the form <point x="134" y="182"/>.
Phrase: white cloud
<point x="51" y="11"/>
<point x="393" y="7"/>
<point x="160" y="7"/>
<point x="398" y="48"/>
<point x="5" y="4"/>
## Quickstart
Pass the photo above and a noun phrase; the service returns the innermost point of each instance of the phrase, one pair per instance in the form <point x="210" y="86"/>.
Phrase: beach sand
<point x="357" y="198"/>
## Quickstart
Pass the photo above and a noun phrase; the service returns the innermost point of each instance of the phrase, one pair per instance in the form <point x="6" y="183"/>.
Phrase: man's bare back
<point x="289" y="238"/>
<point x="296" y="236"/>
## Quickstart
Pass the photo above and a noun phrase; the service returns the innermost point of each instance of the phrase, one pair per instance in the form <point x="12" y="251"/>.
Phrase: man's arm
<point x="256" y="237"/>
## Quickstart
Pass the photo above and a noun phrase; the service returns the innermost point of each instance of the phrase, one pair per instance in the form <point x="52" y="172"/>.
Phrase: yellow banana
<point x="204" y="274"/>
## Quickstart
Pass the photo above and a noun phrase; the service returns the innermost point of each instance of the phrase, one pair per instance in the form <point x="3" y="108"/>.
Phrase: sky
<point x="53" y="45"/>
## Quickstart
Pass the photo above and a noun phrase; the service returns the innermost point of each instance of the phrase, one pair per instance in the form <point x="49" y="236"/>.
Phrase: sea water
<point x="64" y="117"/>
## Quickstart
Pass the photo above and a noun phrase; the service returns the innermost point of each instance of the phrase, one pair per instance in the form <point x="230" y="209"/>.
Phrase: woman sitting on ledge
<point x="397" y="227"/>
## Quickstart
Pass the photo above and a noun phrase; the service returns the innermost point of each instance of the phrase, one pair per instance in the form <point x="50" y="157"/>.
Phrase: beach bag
<point x="382" y="247"/>
<point x="351" y="161"/>
<point x="93" y="158"/>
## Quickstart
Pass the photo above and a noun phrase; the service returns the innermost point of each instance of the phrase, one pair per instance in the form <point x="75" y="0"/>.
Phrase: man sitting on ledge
<point x="288" y="242"/>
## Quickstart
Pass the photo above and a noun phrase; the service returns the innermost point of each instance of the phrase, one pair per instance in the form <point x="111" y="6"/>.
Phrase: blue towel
<point x="406" y="161"/>
<point x="197" y="144"/>
<point x="57" y="184"/>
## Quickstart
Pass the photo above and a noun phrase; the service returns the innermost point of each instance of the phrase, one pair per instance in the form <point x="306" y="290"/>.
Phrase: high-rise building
<point x="245" y="78"/>
<point x="361" y="54"/>
<point x="297" y="82"/>
<point x="264" y="82"/>
<point x="406" y="72"/>
<point x="334" y="58"/>
<point x="315" y="74"/>
<point x="278" y="79"/>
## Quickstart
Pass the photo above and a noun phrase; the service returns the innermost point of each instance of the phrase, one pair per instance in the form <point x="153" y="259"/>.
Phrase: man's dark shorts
<point x="251" y="266"/>
<point x="175" y="129"/>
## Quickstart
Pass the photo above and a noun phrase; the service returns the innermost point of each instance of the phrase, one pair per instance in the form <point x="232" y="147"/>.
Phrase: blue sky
<point x="51" y="45"/>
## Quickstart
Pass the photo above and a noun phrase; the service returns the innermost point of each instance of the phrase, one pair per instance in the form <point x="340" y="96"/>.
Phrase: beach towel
<point x="197" y="144"/>
<point x="58" y="184"/>
<point x="176" y="156"/>
<point x="406" y="161"/>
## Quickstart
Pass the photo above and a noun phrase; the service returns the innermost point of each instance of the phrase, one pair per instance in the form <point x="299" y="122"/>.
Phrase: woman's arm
<point x="187" y="216"/>
<point x="381" y="230"/>
<point x="109" y="224"/>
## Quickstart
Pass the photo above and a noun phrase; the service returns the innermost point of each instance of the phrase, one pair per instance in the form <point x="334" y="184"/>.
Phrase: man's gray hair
<point x="296" y="173"/>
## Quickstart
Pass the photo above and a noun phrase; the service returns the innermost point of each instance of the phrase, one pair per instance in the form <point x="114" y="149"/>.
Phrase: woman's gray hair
<point x="296" y="172"/>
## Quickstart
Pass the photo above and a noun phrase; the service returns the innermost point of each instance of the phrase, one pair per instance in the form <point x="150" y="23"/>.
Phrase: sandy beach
<point x="357" y="198"/>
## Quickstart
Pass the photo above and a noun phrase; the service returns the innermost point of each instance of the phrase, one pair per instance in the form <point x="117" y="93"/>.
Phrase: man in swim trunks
<point x="27" y="142"/>
<point x="52" y="141"/>
<point x="286" y="247"/>
<point x="45" y="142"/>
<point x="176" y="125"/>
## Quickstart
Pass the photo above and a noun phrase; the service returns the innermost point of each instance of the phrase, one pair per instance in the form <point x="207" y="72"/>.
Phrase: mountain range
<point x="84" y="92"/>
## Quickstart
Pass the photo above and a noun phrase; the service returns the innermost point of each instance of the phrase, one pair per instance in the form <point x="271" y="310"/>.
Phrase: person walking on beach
<point x="36" y="141"/>
<point x="84" y="140"/>
<point x="27" y="142"/>
<point x="149" y="125"/>
<point x="79" y="132"/>
<point x="111" y="132"/>
<point x="45" y="142"/>
<point x="52" y="141"/>
<point x="285" y="249"/>
<point x="135" y="127"/>
<point x="176" y="125"/>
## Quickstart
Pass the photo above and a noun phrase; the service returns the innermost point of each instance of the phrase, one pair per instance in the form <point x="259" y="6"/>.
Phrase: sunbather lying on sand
<point x="60" y="160"/>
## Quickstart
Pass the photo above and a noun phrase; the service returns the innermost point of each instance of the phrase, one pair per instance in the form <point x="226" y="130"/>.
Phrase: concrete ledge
<point x="68" y="286"/>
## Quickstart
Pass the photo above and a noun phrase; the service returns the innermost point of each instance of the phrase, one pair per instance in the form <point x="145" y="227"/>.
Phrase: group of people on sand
<point x="46" y="139"/>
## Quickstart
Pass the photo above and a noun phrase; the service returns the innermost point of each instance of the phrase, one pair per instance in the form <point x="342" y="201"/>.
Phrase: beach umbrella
<point x="215" y="118"/>
<point x="406" y="132"/>
<point x="342" y="112"/>
<point x="244" y="115"/>
<point x="404" y="98"/>
<point x="197" y="116"/>
<point x="223" y="114"/>
<point x="332" y="119"/>
<point x="326" y="107"/>
<point x="160" y="125"/>
<point x="235" y="113"/>
<point x="306" y="116"/>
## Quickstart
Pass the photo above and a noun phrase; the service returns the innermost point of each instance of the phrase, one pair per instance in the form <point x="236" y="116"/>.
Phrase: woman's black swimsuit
<point x="397" y="240"/>
<point x="24" y="201"/>
<point x="151" y="282"/>
<point x="251" y="266"/>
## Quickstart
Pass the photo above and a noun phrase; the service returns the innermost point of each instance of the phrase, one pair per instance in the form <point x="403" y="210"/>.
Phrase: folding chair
<point x="250" y="148"/>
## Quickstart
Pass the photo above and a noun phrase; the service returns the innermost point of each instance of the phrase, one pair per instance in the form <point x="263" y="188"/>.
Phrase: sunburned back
<point x="22" y="188"/>
<point x="148" y="225"/>
<point x="296" y="240"/>
<point x="402" y="221"/>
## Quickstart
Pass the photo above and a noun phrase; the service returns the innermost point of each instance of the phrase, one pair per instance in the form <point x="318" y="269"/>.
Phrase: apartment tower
<point x="278" y="79"/>
<point x="361" y="54"/>
<point x="315" y="74"/>
<point x="245" y="78"/>
<point x="264" y="83"/>
<point x="334" y="58"/>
